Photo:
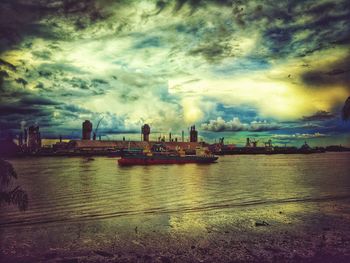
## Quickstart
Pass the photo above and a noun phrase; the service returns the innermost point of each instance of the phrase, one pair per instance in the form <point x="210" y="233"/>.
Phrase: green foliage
<point x="346" y="110"/>
<point x="10" y="194"/>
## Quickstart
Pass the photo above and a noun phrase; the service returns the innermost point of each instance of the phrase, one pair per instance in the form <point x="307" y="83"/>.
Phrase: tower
<point x="87" y="128"/>
<point x="145" y="131"/>
<point x="34" y="138"/>
<point x="247" y="144"/>
<point x="193" y="134"/>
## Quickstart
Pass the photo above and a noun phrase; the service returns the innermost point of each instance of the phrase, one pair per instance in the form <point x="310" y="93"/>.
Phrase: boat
<point x="160" y="155"/>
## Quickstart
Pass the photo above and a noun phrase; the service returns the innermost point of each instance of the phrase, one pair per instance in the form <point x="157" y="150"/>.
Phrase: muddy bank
<point x="294" y="232"/>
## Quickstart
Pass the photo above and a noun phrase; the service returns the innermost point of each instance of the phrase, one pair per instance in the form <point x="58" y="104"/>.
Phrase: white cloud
<point x="298" y="136"/>
<point x="236" y="125"/>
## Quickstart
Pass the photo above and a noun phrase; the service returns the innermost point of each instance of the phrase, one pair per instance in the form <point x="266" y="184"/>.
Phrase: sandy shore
<point x="317" y="231"/>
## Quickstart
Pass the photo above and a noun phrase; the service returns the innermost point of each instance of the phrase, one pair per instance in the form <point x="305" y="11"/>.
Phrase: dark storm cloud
<point x="44" y="73"/>
<point x="7" y="64"/>
<point x="320" y="9"/>
<point x="319" y="116"/>
<point x="48" y="31"/>
<point x="35" y="109"/>
<point x="73" y="108"/>
<point x="11" y="109"/>
<point x="21" y="81"/>
<point x="19" y="18"/>
<point x="334" y="74"/>
<point x="85" y="86"/>
<point x="342" y="41"/>
<point x="212" y="52"/>
<point x="99" y="81"/>
<point x="44" y="54"/>
<point x="58" y="67"/>
<point x="41" y="87"/>
<point x="79" y="83"/>
<point x="14" y="17"/>
<point x="52" y="5"/>
<point x="27" y="105"/>
<point x="280" y="23"/>
<point x="4" y="74"/>
<point x="321" y="79"/>
<point x="36" y="100"/>
<point x="278" y="32"/>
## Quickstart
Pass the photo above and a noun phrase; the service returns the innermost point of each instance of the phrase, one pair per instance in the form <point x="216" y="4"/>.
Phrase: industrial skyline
<point x="235" y="69"/>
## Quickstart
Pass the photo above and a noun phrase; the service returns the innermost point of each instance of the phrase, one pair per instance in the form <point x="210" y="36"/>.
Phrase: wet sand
<point x="314" y="231"/>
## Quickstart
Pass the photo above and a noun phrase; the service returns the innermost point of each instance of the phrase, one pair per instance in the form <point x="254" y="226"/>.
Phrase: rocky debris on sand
<point x="103" y="253"/>
<point x="261" y="223"/>
<point x="69" y="260"/>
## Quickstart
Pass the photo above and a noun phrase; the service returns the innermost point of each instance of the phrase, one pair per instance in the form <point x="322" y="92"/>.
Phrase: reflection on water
<point x="63" y="189"/>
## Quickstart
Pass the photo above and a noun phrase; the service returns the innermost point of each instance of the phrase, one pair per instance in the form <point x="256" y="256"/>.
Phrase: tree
<point x="346" y="110"/>
<point x="9" y="192"/>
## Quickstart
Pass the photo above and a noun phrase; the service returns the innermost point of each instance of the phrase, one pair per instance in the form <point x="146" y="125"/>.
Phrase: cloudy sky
<point x="234" y="68"/>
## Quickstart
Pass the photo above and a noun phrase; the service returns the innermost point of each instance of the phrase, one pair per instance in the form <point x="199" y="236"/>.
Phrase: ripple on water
<point x="71" y="189"/>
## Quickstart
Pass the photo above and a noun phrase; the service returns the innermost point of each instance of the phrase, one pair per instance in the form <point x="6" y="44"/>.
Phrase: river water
<point x="73" y="189"/>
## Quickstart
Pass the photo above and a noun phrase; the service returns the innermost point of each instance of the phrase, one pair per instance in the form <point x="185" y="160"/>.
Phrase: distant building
<point x="34" y="138"/>
<point x="145" y="131"/>
<point x="94" y="147"/>
<point x="193" y="134"/>
<point x="87" y="129"/>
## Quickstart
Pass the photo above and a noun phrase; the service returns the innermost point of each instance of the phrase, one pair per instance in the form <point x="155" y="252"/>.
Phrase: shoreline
<point x="293" y="232"/>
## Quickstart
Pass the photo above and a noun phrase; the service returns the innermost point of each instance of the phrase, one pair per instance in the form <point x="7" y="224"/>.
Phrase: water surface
<point x="74" y="189"/>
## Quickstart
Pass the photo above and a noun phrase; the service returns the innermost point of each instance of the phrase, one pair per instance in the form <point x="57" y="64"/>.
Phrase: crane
<point x="95" y="132"/>
<point x="254" y="142"/>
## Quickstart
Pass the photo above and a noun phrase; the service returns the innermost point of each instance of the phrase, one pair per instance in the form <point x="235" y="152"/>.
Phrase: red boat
<point x="159" y="155"/>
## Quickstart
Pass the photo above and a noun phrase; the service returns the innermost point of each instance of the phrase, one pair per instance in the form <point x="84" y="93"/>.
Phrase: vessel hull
<point x="151" y="160"/>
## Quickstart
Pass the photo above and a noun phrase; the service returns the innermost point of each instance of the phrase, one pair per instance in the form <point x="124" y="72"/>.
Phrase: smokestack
<point x="20" y="139"/>
<point x="145" y="131"/>
<point x="25" y="136"/>
<point x="86" y="130"/>
<point x="193" y="134"/>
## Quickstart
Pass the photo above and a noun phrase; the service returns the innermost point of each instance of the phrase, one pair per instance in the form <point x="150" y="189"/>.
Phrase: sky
<point x="263" y="69"/>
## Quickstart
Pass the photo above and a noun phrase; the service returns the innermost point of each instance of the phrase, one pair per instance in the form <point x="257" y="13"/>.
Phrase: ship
<point x="159" y="154"/>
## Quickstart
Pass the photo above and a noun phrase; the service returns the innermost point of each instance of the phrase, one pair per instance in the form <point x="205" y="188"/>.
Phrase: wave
<point x="65" y="216"/>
